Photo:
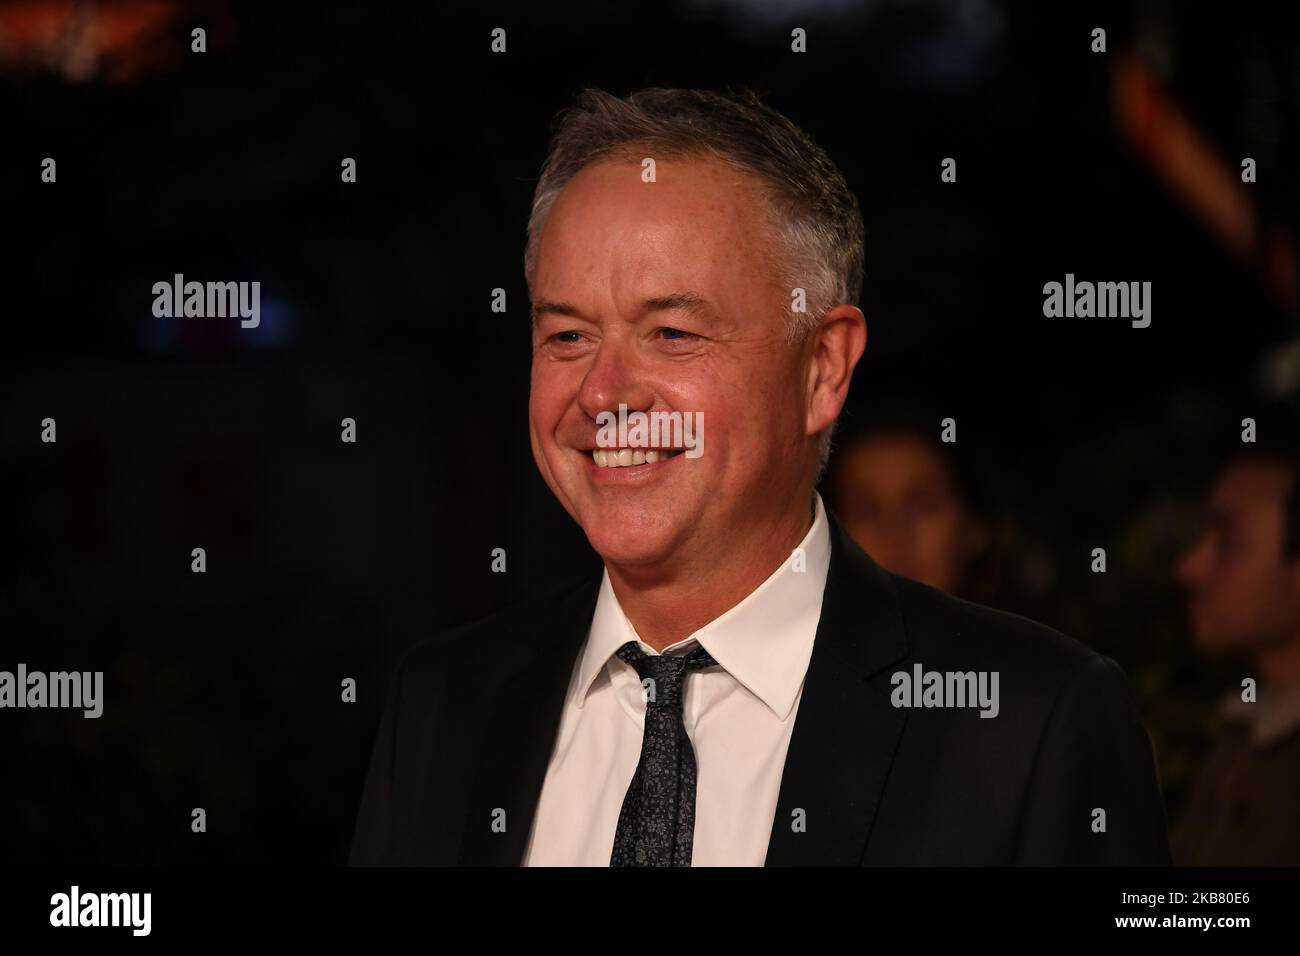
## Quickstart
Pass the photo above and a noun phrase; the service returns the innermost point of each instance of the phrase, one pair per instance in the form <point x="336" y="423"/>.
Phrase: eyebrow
<point x="690" y="302"/>
<point x="542" y="307"/>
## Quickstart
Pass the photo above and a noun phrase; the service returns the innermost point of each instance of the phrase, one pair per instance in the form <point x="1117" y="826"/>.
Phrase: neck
<point x="666" y="606"/>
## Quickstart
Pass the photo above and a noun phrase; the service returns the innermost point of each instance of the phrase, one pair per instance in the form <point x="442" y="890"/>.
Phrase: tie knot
<point x="664" y="671"/>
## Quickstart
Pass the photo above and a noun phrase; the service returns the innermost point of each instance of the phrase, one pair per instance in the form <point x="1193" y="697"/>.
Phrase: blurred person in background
<point x="908" y="501"/>
<point x="1242" y="577"/>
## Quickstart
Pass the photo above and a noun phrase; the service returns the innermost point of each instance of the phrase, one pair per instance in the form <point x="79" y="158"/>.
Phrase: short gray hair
<point x="815" y="216"/>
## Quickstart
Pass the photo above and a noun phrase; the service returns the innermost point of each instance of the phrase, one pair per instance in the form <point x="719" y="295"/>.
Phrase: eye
<point x="568" y="337"/>
<point x="677" y="334"/>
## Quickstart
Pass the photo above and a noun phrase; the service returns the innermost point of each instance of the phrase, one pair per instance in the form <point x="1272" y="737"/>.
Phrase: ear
<point x="837" y="344"/>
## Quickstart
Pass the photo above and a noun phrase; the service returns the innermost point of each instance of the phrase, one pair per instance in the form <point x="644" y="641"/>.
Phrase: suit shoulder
<point x="496" y="635"/>
<point x="943" y="627"/>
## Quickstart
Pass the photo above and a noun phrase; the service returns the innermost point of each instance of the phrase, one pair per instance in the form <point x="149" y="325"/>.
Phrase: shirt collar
<point x="764" y="642"/>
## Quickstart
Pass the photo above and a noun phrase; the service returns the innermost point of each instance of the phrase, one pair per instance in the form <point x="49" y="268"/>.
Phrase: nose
<point x="614" y="377"/>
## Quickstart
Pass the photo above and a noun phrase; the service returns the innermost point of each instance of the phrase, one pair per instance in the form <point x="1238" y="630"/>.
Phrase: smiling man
<point x="724" y="693"/>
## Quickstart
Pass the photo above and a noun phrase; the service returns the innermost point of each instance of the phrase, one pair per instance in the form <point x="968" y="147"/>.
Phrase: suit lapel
<point x="841" y="748"/>
<point x="845" y="731"/>
<point x="520" y="734"/>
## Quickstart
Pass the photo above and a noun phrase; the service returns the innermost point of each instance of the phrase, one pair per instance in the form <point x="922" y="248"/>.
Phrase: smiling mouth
<point x="627" y="457"/>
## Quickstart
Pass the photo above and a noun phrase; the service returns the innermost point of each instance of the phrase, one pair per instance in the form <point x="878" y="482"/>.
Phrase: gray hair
<point x="815" y="217"/>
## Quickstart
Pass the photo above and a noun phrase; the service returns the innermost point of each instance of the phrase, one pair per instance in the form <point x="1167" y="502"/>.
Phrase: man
<point x="737" y="687"/>
<point x="1242" y="575"/>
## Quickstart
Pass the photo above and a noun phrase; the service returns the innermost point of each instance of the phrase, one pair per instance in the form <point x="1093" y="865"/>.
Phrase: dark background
<point x="327" y="560"/>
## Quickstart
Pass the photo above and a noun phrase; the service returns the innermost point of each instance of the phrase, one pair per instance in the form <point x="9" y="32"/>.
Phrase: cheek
<point x="763" y="427"/>
<point x="937" y="539"/>
<point x="753" y="403"/>
<point x="949" y="532"/>
<point x="711" y="398"/>
<point x="1235" y="593"/>
<point x="932" y="534"/>
<point x="546" y="400"/>
<point x="1273" y="594"/>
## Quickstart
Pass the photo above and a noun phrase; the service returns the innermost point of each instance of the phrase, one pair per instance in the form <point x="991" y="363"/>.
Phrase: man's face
<point x="898" y="499"/>
<point x="1242" y="593"/>
<point x="613" y="251"/>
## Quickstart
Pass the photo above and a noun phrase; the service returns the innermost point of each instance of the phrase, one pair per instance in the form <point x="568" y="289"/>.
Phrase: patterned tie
<point x="656" y="826"/>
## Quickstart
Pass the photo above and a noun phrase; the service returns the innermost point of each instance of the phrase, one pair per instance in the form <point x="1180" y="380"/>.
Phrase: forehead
<point x="1252" y="489"/>
<point x="894" y="460"/>
<point x="702" y="224"/>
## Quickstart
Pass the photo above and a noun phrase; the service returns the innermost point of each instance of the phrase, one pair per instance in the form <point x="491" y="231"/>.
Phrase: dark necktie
<point x="656" y="826"/>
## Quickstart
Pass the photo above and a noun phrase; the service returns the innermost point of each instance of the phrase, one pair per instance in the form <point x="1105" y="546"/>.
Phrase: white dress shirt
<point x="739" y="717"/>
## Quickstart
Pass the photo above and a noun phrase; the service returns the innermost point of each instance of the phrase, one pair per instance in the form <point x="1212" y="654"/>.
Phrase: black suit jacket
<point x="470" y="721"/>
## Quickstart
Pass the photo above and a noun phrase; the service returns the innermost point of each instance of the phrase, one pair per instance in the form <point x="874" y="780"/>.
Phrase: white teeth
<point x="626" y="457"/>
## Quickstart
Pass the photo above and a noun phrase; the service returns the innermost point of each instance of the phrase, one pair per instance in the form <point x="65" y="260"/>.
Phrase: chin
<point x="623" y="543"/>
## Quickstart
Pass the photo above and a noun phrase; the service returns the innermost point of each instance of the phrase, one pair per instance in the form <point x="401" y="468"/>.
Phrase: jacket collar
<point x="846" y="731"/>
<point x="840" y="752"/>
